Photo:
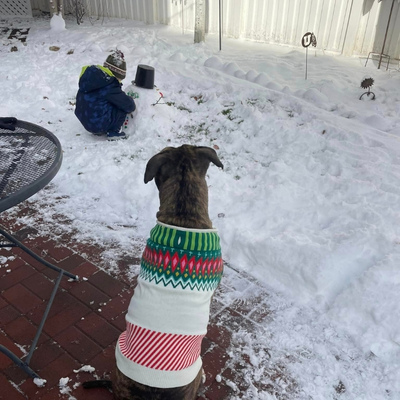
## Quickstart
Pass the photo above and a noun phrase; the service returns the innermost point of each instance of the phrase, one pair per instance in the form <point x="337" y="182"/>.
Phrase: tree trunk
<point x="57" y="7"/>
<point x="200" y="21"/>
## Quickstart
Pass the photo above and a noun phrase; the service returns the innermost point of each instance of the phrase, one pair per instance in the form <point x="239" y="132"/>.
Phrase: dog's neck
<point x="185" y="204"/>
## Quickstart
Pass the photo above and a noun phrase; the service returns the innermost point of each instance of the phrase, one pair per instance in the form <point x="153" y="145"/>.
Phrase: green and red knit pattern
<point x="187" y="258"/>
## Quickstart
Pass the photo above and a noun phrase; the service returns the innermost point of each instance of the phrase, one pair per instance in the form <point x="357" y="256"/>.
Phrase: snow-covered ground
<point x="308" y="201"/>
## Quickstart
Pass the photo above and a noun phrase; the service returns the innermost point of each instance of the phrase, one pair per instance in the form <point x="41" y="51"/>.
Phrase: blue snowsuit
<point x="101" y="104"/>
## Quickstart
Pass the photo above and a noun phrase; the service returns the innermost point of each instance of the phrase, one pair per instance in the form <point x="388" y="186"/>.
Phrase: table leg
<point x="24" y="365"/>
<point x="18" y="362"/>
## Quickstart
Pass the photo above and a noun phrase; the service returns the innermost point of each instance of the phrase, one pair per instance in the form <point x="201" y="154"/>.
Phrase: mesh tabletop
<point x="30" y="157"/>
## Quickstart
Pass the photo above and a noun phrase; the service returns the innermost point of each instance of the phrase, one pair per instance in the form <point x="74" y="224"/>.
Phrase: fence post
<point x="200" y="21"/>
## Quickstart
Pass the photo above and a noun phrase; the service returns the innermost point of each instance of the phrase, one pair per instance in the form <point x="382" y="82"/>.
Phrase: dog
<point x="158" y="355"/>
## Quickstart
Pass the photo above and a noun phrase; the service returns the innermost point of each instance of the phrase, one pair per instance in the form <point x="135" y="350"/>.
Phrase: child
<point x="101" y="105"/>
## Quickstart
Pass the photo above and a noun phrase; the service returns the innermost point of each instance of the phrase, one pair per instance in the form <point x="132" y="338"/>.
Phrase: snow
<point x="39" y="382"/>
<point x="307" y="203"/>
<point x="84" y="368"/>
<point x="65" y="389"/>
<point x="63" y="382"/>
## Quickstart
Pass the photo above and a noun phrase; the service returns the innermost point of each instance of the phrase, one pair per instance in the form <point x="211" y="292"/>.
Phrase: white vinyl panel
<point x="337" y="25"/>
<point x="140" y="9"/>
<point x="268" y="20"/>
<point x="227" y="22"/>
<point x="280" y="21"/>
<point x="367" y="28"/>
<point x="212" y="16"/>
<point x="189" y="15"/>
<point x="110" y="7"/>
<point x="91" y="8"/>
<point x="320" y="15"/>
<point x="372" y="43"/>
<point x="301" y="27"/>
<point x="162" y="11"/>
<point x="261" y="17"/>
<point x="176" y="15"/>
<point x="294" y="34"/>
<point x="232" y="14"/>
<point x="131" y="10"/>
<point x="247" y="21"/>
<point x="271" y="22"/>
<point x="150" y="12"/>
<point x="311" y="18"/>
<point x="361" y="30"/>
<point x="352" y="25"/>
<point x="304" y="15"/>
<point x="255" y="20"/>
<point x="119" y="9"/>
<point x="327" y="32"/>
<point x="320" y="26"/>
<point x="336" y="22"/>
<point x="288" y="28"/>
<point x="394" y="46"/>
<point x="341" y="30"/>
<point x="382" y="23"/>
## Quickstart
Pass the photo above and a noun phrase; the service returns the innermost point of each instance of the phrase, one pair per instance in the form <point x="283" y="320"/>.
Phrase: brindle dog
<point x="180" y="176"/>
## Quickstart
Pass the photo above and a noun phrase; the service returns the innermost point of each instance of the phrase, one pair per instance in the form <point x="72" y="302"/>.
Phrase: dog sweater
<point x="168" y="314"/>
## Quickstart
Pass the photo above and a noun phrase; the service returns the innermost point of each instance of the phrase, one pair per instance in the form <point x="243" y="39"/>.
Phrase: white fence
<point x="349" y="27"/>
<point x="15" y="8"/>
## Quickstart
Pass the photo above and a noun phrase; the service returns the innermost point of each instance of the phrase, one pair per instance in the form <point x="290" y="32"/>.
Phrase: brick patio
<point x="87" y="317"/>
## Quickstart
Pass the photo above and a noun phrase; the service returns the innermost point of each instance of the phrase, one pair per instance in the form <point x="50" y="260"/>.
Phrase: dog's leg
<point x="127" y="389"/>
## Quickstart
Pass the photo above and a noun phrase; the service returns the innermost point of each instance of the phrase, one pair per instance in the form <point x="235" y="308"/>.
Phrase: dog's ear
<point x="209" y="154"/>
<point x="154" y="164"/>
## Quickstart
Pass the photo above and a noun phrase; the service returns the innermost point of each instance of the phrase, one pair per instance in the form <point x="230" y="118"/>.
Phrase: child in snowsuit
<point x="101" y="105"/>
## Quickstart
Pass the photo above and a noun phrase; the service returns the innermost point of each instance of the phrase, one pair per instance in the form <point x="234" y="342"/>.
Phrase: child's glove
<point x="134" y="95"/>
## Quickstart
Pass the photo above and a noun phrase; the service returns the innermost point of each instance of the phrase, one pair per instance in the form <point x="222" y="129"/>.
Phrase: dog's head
<point x="179" y="174"/>
<point x="174" y="162"/>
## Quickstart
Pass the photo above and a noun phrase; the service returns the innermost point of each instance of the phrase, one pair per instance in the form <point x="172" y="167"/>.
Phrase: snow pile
<point x="85" y="368"/>
<point x="39" y="382"/>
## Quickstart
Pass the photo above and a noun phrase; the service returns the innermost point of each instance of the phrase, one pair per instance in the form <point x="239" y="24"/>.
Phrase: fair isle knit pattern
<point x="168" y="314"/>
<point x="189" y="259"/>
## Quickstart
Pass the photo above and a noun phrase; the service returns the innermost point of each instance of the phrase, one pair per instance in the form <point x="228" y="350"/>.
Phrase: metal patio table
<point x="30" y="157"/>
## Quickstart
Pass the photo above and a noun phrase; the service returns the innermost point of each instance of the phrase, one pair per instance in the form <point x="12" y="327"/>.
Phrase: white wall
<point x="350" y="27"/>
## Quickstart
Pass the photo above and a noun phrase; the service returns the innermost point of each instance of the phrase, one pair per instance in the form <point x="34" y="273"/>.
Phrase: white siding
<point x="350" y="27"/>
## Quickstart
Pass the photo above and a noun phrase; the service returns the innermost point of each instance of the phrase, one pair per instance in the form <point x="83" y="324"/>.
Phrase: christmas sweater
<point x="168" y="314"/>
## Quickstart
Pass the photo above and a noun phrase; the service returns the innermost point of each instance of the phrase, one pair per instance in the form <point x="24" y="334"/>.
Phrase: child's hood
<point x="94" y="77"/>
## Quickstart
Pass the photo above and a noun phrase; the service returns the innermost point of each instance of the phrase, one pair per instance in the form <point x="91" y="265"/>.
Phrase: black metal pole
<point x="18" y="362"/>
<point x="46" y="313"/>
<point x="220" y="25"/>
<point x="384" y="40"/>
<point x="35" y="256"/>
<point x="306" y="60"/>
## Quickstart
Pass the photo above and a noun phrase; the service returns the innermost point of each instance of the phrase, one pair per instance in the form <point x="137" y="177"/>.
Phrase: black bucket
<point x="144" y="76"/>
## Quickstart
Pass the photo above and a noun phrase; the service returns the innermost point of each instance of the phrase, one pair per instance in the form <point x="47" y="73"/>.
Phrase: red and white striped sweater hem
<point x="159" y="350"/>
